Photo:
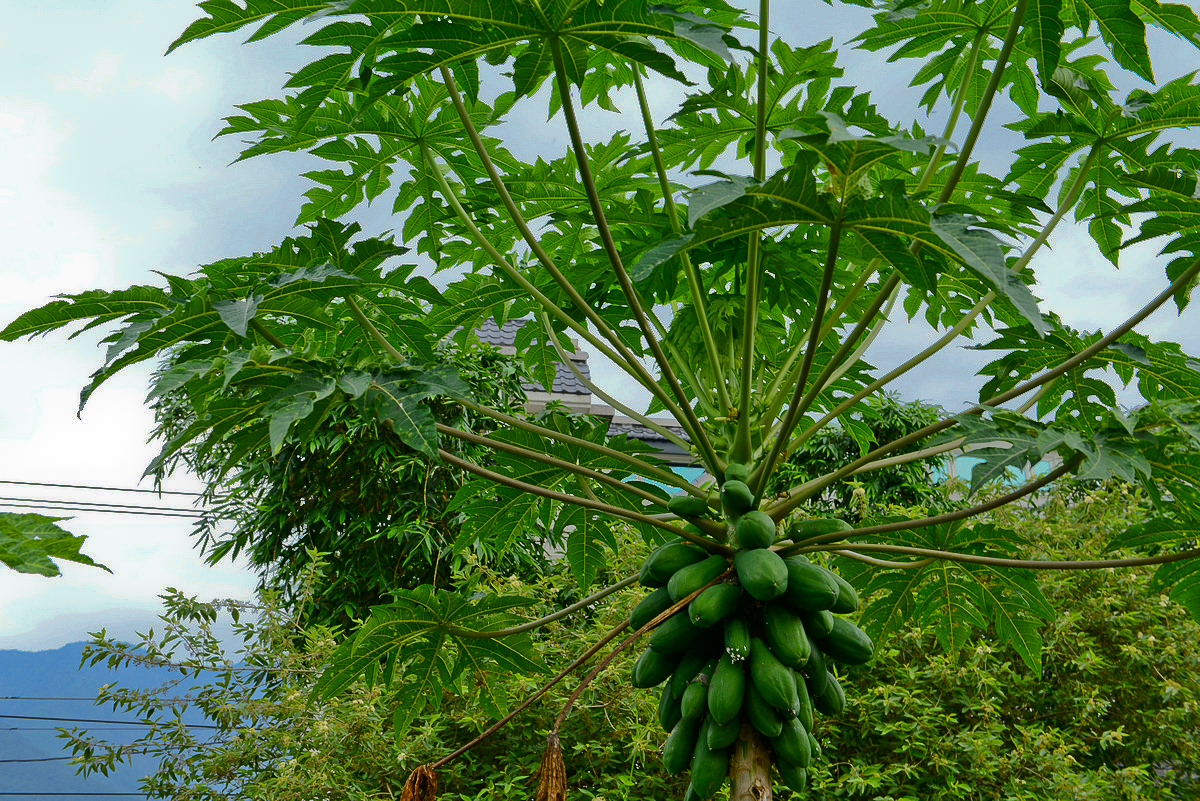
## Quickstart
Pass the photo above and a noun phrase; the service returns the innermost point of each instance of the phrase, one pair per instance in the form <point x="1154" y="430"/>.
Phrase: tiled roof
<point x="640" y="432"/>
<point x="565" y="382"/>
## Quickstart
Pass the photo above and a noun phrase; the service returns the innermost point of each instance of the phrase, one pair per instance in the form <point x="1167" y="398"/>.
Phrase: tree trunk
<point x="750" y="767"/>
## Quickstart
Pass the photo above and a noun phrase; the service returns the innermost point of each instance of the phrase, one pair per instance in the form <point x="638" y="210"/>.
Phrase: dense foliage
<point x="811" y="220"/>
<point x="375" y="510"/>
<point x="1117" y="696"/>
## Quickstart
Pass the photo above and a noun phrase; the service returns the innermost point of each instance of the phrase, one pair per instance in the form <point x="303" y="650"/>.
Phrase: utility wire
<point x="78" y="508"/>
<point x="41" y="698"/>
<point x="93" y="487"/>
<point x="73" y="502"/>
<point x="74" y="795"/>
<point x="122" y="722"/>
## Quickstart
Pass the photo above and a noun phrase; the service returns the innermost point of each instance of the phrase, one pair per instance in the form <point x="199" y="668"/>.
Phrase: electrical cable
<point x="121" y="722"/>
<point x="93" y="487"/>
<point x="80" y="508"/>
<point x="103" y="504"/>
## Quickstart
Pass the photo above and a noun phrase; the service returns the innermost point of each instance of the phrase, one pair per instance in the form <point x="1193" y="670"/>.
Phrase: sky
<point x="109" y="170"/>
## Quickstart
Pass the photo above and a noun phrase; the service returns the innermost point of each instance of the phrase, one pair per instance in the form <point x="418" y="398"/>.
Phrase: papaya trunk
<point x="750" y="767"/>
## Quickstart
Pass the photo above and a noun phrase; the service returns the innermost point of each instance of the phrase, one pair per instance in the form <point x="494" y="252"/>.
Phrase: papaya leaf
<point x="29" y="543"/>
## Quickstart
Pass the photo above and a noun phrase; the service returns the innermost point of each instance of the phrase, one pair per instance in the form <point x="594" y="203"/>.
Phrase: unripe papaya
<point x="762" y="716"/>
<point x="674" y="635"/>
<point x="726" y="690"/>
<point x="847" y="643"/>
<point x="723" y="735"/>
<point x="803" y="529"/>
<point x="762" y="573"/>
<point x="711" y="606"/>
<point x="791" y="744"/>
<point x="809" y="587"/>
<point x="652" y="668"/>
<point x="805" y="714"/>
<point x="793" y="776"/>
<point x="773" y="679"/>
<point x="735" y="471"/>
<point x="677" y="750"/>
<point x="755" y="530"/>
<point x="736" y="498"/>
<point x="666" y="559"/>
<point x="785" y="634"/>
<point x="709" y="765"/>
<point x="832" y="698"/>
<point x="649" y="608"/>
<point x="669" y="710"/>
<point x="688" y="506"/>
<point x="693" y="661"/>
<point x="815" y="672"/>
<point x="847" y="601"/>
<point x="817" y="624"/>
<point x="694" y="704"/>
<point x="737" y="639"/>
<point x="695" y="576"/>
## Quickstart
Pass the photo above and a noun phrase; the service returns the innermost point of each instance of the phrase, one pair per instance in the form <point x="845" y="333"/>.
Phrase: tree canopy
<point x="736" y="261"/>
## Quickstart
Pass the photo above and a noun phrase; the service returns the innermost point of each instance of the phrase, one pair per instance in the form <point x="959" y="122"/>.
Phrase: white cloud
<point x="97" y="79"/>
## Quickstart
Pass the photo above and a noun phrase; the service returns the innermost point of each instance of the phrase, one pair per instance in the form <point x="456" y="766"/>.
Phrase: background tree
<point x="778" y="276"/>
<point x="1108" y="718"/>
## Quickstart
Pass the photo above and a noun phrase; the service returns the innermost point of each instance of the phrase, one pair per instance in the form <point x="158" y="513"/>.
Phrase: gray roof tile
<point x="565" y="382"/>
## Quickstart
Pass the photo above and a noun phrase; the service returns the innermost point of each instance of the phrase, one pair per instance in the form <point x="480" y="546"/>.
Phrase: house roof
<point x="565" y="382"/>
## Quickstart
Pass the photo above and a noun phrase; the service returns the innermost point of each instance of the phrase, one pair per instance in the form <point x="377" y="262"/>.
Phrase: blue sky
<point x="108" y="171"/>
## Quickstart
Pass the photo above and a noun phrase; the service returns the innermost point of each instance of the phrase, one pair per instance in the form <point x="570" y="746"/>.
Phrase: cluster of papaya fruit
<point x="752" y="649"/>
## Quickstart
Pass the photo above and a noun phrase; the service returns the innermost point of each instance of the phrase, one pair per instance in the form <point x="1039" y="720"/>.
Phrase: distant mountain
<point x="29" y="675"/>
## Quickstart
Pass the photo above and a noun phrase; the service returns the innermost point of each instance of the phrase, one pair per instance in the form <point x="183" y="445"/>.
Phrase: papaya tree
<point x="736" y="261"/>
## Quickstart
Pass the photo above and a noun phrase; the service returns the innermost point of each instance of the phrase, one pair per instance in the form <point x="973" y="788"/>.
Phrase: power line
<point x="122" y="722"/>
<point x="42" y="698"/>
<point x="92" y="487"/>
<point x="39" y="759"/>
<point x="56" y="728"/>
<point x="73" y="795"/>
<point x="125" y="511"/>
<point x="106" y="505"/>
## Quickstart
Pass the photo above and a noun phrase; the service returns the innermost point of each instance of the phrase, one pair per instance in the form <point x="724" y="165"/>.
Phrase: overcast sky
<point x="108" y="171"/>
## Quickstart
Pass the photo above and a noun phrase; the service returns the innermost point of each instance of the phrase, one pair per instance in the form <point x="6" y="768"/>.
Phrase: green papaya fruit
<point x="791" y="744"/>
<point x="773" y="679"/>
<point x="847" y="600"/>
<point x="669" y="710"/>
<point x="847" y="643"/>
<point x="815" y="672"/>
<point x="832" y="698"/>
<point x="726" y="690"/>
<point x="737" y="472"/>
<point x="677" y="750"/>
<point x="818" y="623"/>
<point x="650" y="607"/>
<point x="653" y="667"/>
<point x="755" y="530"/>
<point x="694" y="703"/>
<point x="801" y="530"/>
<point x="709" y="607"/>
<point x="784" y="632"/>
<point x="762" y="716"/>
<point x="690" y="794"/>
<point x="674" y="635"/>
<point x="762" y="572"/>
<point x="694" y="576"/>
<point x="736" y="498"/>
<point x="688" y="506"/>
<point x="813" y="745"/>
<point x="665" y="560"/>
<point x="805" y="715"/>
<point x="737" y="638"/>
<point x="809" y="587"/>
<point x="709" y="765"/>
<point x="723" y="735"/>
<point x="690" y="665"/>
<point x="793" y="776"/>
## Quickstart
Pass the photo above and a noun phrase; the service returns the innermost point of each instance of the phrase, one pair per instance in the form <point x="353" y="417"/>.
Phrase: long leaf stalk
<point x="997" y="561"/>
<point x="700" y="391"/>
<point x="536" y="694"/>
<point x="889" y="564"/>
<point x="949" y="517"/>
<point x="742" y="448"/>
<point x="684" y="413"/>
<point x="265" y="333"/>
<point x="955" y="112"/>
<point x="954" y="332"/>
<point x="653" y="425"/>
<point x="638" y="466"/>
<point x="801" y="494"/>
<point x="543" y="458"/>
<point x="542" y="621"/>
<point x="695" y="284"/>
<point x="512" y="272"/>
<point x="893" y="281"/>
<point x="587" y="503"/>
<point x="791" y="418"/>
<point x="375" y="334"/>
<point x="527" y="233"/>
